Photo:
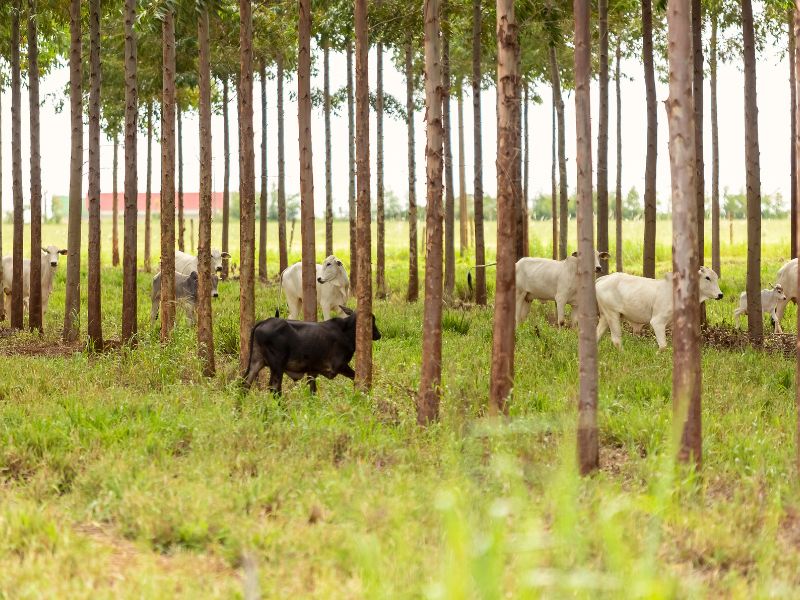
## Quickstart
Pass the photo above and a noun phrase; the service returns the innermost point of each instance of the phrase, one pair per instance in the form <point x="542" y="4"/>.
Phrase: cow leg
<point x="523" y="308"/>
<point x="780" y="308"/>
<point x="256" y="364"/>
<point x="347" y="371"/>
<point x="660" y="329"/>
<point x="326" y="312"/>
<point x="190" y="310"/>
<point x="737" y="316"/>
<point x="602" y="325"/>
<point x="154" y="312"/>
<point x="275" y="380"/>
<point x="776" y="324"/>
<point x="560" y="306"/>
<point x="295" y="307"/>
<point x="615" y="325"/>
<point x="312" y="385"/>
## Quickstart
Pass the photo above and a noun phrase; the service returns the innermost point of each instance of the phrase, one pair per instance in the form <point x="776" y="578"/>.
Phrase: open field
<point x="128" y="474"/>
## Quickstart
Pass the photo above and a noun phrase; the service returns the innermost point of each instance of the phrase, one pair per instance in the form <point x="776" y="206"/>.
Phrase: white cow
<point x="787" y="279"/>
<point x="186" y="263"/>
<point x="769" y="304"/>
<point x="333" y="287"/>
<point x="49" y="266"/>
<point x="641" y="300"/>
<point x="547" y="279"/>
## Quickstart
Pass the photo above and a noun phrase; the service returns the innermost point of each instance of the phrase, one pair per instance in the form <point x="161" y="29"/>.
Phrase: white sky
<point x="773" y="100"/>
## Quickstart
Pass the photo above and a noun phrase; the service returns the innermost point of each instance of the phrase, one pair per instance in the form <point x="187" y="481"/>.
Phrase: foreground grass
<point x="128" y="474"/>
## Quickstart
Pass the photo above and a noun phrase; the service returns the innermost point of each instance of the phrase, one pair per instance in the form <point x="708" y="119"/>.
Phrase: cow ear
<point x="225" y="255"/>
<point x="45" y="250"/>
<point x="575" y="254"/>
<point x="345" y="310"/>
<point x="63" y="251"/>
<point x="193" y="275"/>
<point x="605" y="255"/>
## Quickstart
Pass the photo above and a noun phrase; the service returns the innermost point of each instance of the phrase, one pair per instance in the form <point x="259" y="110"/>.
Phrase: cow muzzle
<point x="597" y="269"/>
<point x="321" y="280"/>
<point x="719" y="296"/>
<point x="54" y="264"/>
<point x="215" y="294"/>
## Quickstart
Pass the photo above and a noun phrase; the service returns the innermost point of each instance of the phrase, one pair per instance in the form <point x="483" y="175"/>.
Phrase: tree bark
<point x="553" y="180"/>
<point x="755" y="325"/>
<point x="351" y="164"/>
<point x="247" y="185"/>
<point x="16" y="170"/>
<point x="686" y="373"/>
<point x="796" y="58"/>
<point x="2" y="296"/>
<point x="463" y="213"/>
<point x="697" y="97"/>
<point x="326" y="93"/>
<point x="413" y="261"/>
<point x="431" y="374"/>
<point x="563" y="217"/>
<point x="449" y="198"/>
<point x="502" y="370"/>
<point x="168" y="103"/>
<point x="363" y="377"/>
<point x="618" y="193"/>
<point x="716" y="263"/>
<point x="148" y="192"/>
<point x="72" y="302"/>
<point x="283" y="255"/>
<point x="306" y="165"/>
<point x="205" y="335"/>
<point x="602" y="137"/>
<point x="649" y="255"/>
<point x="115" y="205"/>
<point x="526" y="243"/>
<point x="129" y="258"/>
<point x="226" y="177"/>
<point x="262" y="218"/>
<point x="181" y="220"/>
<point x="35" y="292"/>
<point x="94" y="322"/>
<point x="793" y="127"/>
<point x="480" y="249"/>
<point x="380" y="273"/>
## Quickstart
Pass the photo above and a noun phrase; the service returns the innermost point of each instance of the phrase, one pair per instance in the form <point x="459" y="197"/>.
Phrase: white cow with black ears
<point x="333" y="288"/>
<point x="49" y="265"/>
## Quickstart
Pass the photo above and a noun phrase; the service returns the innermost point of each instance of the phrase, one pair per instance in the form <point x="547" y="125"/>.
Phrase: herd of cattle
<point x="299" y="349"/>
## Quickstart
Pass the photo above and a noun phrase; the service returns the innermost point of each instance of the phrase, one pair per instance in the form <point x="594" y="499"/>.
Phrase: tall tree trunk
<point x="94" y="323"/>
<point x="553" y="181"/>
<point x="697" y="98"/>
<point x="226" y="177"/>
<point x="463" y="214"/>
<point x="413" y="266"/>
<point x="306" y="164"/>
<point x="686" y="374"/>
<point x="502" y="370"/>
<point x="262" y="218"/>
<point x="380" y="274"/>
<point x="449" y="198"/>
<point x="181" y="220"/>
<point x="755" y="325"/>
<point x="602" y="137"/>
<point x="326" y="93"/>
<point x="168" y="102"/>
<point x="2" y="295"/>
<point x="649" y="256"/>
<point x="129" y="258"/>
<point x="716" y="263"/>
<point x="526" y="243"/>
<point x="430" y="377"/>
<point x="16" y="171"/>
<point x="618" y="192"/>
<point x="588" y="450"/>
<point x="363" y="377"/>
<point x="148" y="192"/>
<point x="480" y="248"/>
<point x="283" y="255"/>
<point x="247" y="185"/>
<point x="793" y="127"/>
<point x="35" y="293"/>
<point x="72" y="302"/>
<point x="796" y="34"/>
<point x="205" y="335"/>
<point x="563" y="216"/>
<point x="115" y="205"/>
<point x="351" y="164"/>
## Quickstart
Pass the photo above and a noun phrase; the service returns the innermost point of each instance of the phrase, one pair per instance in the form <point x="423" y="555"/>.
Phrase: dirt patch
<point x="730" y="338"/>
<point x="614" y="459"/>
<point x="44" y="348"/>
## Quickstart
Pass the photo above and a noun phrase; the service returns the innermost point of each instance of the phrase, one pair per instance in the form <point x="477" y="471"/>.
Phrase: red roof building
<point x="191" y="202"/>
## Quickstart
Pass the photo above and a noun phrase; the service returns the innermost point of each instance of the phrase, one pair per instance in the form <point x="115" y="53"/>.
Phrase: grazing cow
<point x="186" y="263"/>
<point x="643" y="300"/>
<point x="769" y="304"/>
<point x="185" y="294"/>
<point x="547" y="279"/>
<point x="49" y="265"/>
<point x="300" y="348"/>
<point x="333" y="288"/>
<point x="787" y="279"/>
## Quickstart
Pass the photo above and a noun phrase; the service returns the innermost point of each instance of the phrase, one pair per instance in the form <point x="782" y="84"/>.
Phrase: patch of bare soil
<point x="613" y="459"/>
<point x="730" y="338"/>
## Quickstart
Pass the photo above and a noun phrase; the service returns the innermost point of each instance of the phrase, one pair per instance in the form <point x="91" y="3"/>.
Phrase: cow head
<point x="598" y="256"/>
<point x="216" y="260"/>
<point x="332" y="267"/>
<point x="192" y="284"/>
<point x="778" y="291"/>
<point x="51" y="253"/>
<point x="376" y="335"/>
<point x="709" y="285"/>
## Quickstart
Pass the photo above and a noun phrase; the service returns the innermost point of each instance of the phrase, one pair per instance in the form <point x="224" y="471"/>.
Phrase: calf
<point x="49" y="265"/>
<point x="185" y="294"/>
<point x="333" y="287"/>
<point x="547" y="279"/>
<point x="186" y="263"/>
<point x="300" y="348"/>
<point x="643" y="300"/>
<point x="769" y="304"/>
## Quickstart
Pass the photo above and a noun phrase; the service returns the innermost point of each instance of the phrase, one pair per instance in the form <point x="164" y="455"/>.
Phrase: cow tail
<point x="280" y="296"/>
<point x="469" y="275"/>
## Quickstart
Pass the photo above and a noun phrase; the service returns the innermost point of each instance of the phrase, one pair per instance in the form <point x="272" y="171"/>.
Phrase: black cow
<point x="300" y="348"/>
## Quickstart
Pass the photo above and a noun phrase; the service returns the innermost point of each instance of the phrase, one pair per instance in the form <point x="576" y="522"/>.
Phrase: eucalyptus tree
<point x="602" y="134"/>
<point x="477" y="129"/>
<point x="94" y="320"/>
<point x="16" y="316"/>
<point x="129" y="290"/>
<point x="449" y="202"/>
<point x="651" y="156"/>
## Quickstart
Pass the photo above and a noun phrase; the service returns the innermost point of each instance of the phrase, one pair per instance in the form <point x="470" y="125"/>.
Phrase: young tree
<point x="16" y="170"/>
<point x="526" y="243"/>
<point x="326" y="94"/>
<point x="226" y="174"/>
<point x="755" y="324"/>
<point x="480" y="251"/>
<point x="247" y="185"/>
<point x="181" y="222"/>
<point x="2" y="304"/>
<point x="793" y="127"/>
<point x="649" y="259"/>
<point x="796" y="57"/>
<point x="686" y="374"/>
<point x="168" y="105"/>
<point x="363" y="377"/>
<point x="449" y="198"/>
<point x="716" y="263"/>
<point x="72" y="302"/>
<point x="148" y="190"/>
<point x="463" y="216"/>
<point x="413" y="266"/>
<point x="618" y="192"/>
<point x="35" y="292"/>
<point x="115" y="204"/>
<point x="697" y="98"/>
<point x="380" y="271"/>
<point x="94" y="322"/>
<point x="351" y="163"/>
<point x="283" y="257"/>
<point x="262" y="217"/>
<point x="129" y="243"/>
<point x="430" y="377"/>
<point x="602" y="137"/>
<point x="563" y="214"/>
<point x="553" y="181"/>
